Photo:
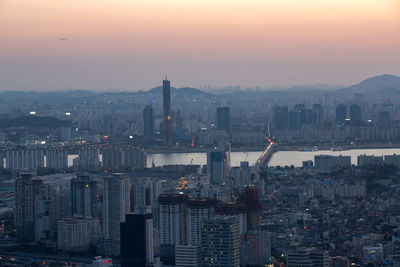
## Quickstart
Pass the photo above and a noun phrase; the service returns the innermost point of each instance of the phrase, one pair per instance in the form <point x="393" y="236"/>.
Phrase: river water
<point x="199" y="158"/>
<point x="280" y="158"/>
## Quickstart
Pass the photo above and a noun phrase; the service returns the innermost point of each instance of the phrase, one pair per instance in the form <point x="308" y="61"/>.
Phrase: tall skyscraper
<point x="220" y="241"/>
<point x="137" y="241"/>
<point x="249" y="197"/>
<point x="224" y="119"/>
<point x="167" y="119"/>
<point x="318" y="111"/>
<point x="355" y="114"/>
<point x="116" y="204"/>
<point x="281" y="118"/>
<point x="197" y="211"/>
<point x="218" y="164"/>
<point x="172" y="209"/>
<point x="148" y="121"/>
<point x="294" y="120"/>
<point x="84" y="196"/>
<point x="34" y="209"/>
<point x="341" y="113"/>
<point x="301" y="109"/>
<point x="384" y="120"/>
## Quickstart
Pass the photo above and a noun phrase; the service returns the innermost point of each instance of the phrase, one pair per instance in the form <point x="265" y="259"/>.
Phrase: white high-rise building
<point x="116" y="204"/>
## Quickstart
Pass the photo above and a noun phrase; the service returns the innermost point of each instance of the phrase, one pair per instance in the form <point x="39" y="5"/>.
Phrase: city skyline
<point x="213" y="133"/>
<point x="127" y="46"/>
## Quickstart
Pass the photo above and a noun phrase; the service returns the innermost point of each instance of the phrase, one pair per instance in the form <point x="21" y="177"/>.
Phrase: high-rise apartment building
<point x="34" y="209"/>
<point x="167" y="119"/>
<point x="307" y="257"/>
<point x="341" y="114"/>
<point x="116" y="204"/>
<point x="172" y="210"/>
<point x="241" y="175"/>
<point x="384" y="120"/>
<point x="220" y="242"/>
<point x="84" y="196"/>
<point x="140" y="194"/>
<point x="77" y="233"/>
<point x="218" y="164"/>
<point x="249" y="196"/>
<point x="57" y="158"/>
<point x="123" y="158"/>
<point x="148" y="124"/>
<point x="329" y="162"/>
<point x="137" y="251"/>
<point x="24" y="159"/>
<point x="224" y="119"/>
<point x="355" y="114"/>
<point x="197" y="211"/>
<point x="45" y="215"/>
<point x="318" y="111"/>
<point x="187" y="256"/>
<point x="281" y="117"/>
<point x="88" y="159"/>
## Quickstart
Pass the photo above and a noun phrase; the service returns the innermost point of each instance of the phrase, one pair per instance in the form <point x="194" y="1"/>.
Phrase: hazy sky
<point x="132" y="44"/>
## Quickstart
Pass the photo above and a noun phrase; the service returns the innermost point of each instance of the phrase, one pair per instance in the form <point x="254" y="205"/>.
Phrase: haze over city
<point x="200" y="133"/>
<point x="127" y="45"/>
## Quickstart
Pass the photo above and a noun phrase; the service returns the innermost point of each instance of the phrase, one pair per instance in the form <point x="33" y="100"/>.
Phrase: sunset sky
<point x="132" y="44"/>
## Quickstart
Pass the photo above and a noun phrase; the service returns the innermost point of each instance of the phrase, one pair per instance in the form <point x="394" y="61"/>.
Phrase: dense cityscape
<point x="87" y="178"/>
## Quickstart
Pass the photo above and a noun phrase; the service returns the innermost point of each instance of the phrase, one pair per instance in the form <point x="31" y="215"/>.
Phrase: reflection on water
<point x="281" y="158"/>
<point x="287" y="158"/>
<point x="199" y="158"/>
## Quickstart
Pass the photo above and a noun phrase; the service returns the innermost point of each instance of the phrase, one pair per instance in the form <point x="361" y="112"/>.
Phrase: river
<point x="280" y="158"/>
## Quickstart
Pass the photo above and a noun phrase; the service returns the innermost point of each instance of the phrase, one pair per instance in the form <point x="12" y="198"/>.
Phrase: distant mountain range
<point x="383" y="86"/>
<point x="190" y="91"/>
<point x="371" y="85"/>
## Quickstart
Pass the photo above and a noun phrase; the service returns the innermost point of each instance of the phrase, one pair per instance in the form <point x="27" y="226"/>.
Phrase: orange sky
<point x="131" y="44"/>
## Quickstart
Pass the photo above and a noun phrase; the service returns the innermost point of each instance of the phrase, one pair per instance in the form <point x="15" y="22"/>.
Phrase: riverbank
<point x="279" y="147"/>
<point x="306" y="147"/>
<point x="173" y="150"/>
